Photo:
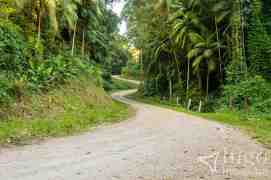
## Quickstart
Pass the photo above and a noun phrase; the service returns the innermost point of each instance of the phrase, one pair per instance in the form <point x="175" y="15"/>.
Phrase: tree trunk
<point x="199" y="80"/>
<point x="83" y="44"/>
<point x="178" y="68"/>
<point x="170" y="89"/>
<point x="141" y="63"/>
<point x="219" y="53"/>
<point x="73" y="39"/>
<point x="39" y="24"/>
<point x="188" y="77"/>
<point x="246" y="103"/>
<point x="207" y="85"/>
<point x="231" y="103"/>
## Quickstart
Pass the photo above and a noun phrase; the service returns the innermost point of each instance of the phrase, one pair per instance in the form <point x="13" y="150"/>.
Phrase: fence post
<point x="200" y="105"/>
<point x="189" y="104"/>
<point x="178" y="103"/>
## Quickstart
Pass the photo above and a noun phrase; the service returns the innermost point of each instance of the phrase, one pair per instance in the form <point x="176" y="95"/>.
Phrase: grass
<point x="73" y="108"/>
<point x="258" y="128"/>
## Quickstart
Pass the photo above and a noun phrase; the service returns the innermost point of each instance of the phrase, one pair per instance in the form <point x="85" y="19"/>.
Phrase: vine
<point x="258" y="41"/>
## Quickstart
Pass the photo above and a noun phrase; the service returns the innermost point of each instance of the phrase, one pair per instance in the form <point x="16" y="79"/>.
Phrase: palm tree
<point x="185" y="23"/>
<point x="69" y="11"/>
<point x="220" y="10"/>
<point x="204" y="51"/>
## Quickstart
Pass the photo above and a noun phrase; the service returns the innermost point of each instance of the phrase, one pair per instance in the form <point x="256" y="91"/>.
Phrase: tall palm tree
<point x="220" y="10"/>
<point x="69" y="8"/>
<point x="184" y="23"/>
<point x="204" y="51"/>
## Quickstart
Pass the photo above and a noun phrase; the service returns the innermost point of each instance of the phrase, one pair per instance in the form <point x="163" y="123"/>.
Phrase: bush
<point x="11" y="48"/>
<point x="257" y="91"/>
<point x="107" y="80"/>
<point x="4" y="88"/>
<point x="133" y="70"/>
<point x="263" y="107"/>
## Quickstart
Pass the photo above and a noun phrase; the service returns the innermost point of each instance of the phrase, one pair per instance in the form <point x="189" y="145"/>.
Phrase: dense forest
<point x="56" y="59"/>
<point x="217" y="52"/>
<point x="45" y="42"/>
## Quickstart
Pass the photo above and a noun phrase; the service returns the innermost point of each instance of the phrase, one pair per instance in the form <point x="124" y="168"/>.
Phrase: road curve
<point x="156" y="144"/>
<point x="128" y="80"/>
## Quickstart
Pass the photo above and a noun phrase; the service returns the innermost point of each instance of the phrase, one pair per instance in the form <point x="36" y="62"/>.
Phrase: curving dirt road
<point x="156" y="144"/>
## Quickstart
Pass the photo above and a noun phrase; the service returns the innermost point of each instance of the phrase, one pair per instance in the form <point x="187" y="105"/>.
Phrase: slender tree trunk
<point x="178" y="68"/>
<point x="207" y="85"/>
<point x="83" y="44"/>
<point x="188" y="78"/>
<point x="199" y="80"/>
<point x="73" y="39"/>
<point x="243" y="22"/>
<point x="219" y="53"/>
<point x="141" y="63"/>
<point x="39" y="24"/>
<point x="170" y="88"/>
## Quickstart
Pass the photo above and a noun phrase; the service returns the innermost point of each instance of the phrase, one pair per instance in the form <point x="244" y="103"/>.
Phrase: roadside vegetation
<point x="73" y="108"/>
<point x="213" y="56"/>
<point x="132" y="71"/>
<point x="55" y="58"/>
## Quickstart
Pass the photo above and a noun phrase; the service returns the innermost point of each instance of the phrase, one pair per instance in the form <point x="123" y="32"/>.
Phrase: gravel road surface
<point x="156" y="144"/>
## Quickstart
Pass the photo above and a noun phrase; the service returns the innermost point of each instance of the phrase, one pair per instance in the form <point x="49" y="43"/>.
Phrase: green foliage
<point x="6" y="8"/>
<point x="262" y="107"/>
<point x="183" y="43"/>
<point x="4" y="89"/>
<point x="53" y="53"/>
<point x="191" y="49"/>
<point x="107" y="81"/>
<point x="56" y="70"/>
<point x="35" y="54"/>
<point x="258" y="43"/>
<point x="132" y="70"/>
<point x="75" y="107"/>
<point x="11" y="47"/>
<point x="256" y="89"/>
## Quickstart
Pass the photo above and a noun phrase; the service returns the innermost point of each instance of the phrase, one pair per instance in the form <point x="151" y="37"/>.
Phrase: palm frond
<point x="193" y="53"/>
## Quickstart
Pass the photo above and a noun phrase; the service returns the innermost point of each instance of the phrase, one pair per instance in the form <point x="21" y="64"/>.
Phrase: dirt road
<point x="156" y="144"/>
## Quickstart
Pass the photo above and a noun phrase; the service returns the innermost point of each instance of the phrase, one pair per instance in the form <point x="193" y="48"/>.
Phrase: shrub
<point x="256" y="89"/>
<point x="262" y="107"/>
<point x="4" y="87"/>
<point x="11" y="47"/>
<point x="107" y="80"/>
<point x="133" y="70"/>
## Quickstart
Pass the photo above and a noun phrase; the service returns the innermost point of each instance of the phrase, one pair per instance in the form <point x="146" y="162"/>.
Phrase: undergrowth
<point x="72" y="108"/>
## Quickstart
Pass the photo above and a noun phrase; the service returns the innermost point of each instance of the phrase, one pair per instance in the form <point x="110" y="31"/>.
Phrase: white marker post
<point x="178" y="103"/>
<point x="189" y="104"/>
<point x="200" y="105"/>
